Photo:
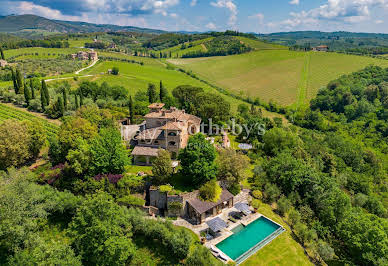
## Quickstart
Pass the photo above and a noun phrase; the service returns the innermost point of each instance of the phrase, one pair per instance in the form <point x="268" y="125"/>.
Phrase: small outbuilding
<point x="198" y="210"/>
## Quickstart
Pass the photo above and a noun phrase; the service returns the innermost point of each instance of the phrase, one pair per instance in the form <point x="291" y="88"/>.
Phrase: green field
<point x="7" y="112"/>
<point x="79" y="42"/>
<point x="136" y="77"/>
<point x="259" y="45"/>
<point x="43" y="52"/>
<point x="280" y="75"/>
<point x="196" y="46"/>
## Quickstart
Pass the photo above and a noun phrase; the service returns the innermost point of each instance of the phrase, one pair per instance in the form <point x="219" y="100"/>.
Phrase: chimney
<point x="163" y="112"/>
<point x="183" y="111"/>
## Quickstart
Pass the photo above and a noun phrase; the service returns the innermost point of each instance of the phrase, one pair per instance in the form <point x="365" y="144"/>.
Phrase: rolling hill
<point x="16" y="23"/>
<point x="288" y="77"/>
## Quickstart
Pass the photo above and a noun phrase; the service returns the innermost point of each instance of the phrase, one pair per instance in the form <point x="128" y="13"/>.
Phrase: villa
<point x="81" y="55"/>
<point x="321" y="48"/>
<point x="3" y="63"/>
<point x="167" y="129"/>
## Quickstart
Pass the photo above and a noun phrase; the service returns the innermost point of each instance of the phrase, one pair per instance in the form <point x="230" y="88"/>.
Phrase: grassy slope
<point x="283" y="250"/>
<point x="197" y="46"/>
<point x="136" y="77"/>
<point x="276" y="74"/>
<point x="266" y="74"/>
<point x="259" y="45"/>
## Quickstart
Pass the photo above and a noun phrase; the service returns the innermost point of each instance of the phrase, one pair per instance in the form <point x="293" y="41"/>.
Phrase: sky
<point x="260" y="16"/>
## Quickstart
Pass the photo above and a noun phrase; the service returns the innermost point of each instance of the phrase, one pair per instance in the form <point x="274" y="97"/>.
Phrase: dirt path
<point x="47" y="80"/>
<point x="82" y="69"/>
<point x="204" y="47"/>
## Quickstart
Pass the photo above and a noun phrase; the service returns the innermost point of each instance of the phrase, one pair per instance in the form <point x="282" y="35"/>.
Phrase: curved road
<point x="82" y="69"/>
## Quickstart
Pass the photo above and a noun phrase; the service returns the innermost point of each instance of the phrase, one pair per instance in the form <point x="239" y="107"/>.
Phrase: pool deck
<point x="227" y="232"/>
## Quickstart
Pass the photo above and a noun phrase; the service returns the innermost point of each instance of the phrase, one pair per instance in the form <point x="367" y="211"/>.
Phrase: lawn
<point x="288" y="77"/>
<point x="283" y="250"/>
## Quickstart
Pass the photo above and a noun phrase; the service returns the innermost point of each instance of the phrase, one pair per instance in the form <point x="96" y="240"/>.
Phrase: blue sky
<point x="261" y="16"/>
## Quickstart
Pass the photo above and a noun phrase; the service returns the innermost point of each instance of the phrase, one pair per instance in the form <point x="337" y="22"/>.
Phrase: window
<point x="156" y="142"/>
<point x="172" y="143"/>
<point x="173" y="134"/>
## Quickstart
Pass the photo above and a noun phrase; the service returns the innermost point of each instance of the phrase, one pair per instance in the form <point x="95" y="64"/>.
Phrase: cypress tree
<point x="131" y="109"/>
<point x="44" y="95"/>
<point x="46" y="92"/>
<point x="32" y="89"/>
<point x="15" y="84"/>
<point x="61" y="106"/>
<point x="81" y="99"/>
<point x="76" y="101"/>
<point x="151" y="92"/>
<point x="27" y="94"/>
<point x="2" y="53"/>
<point x="64" y="94"/>
<point x="19" y="81"/>
<point x="42" y="99"/>
<point x="162" y="92"/>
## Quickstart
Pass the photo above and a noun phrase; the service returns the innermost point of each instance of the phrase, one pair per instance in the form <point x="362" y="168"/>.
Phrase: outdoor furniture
<point x="216" y="225"/>
<point x="213" y="249"/>
<point x="243" y="207"/>
<point x="221" y="256"/>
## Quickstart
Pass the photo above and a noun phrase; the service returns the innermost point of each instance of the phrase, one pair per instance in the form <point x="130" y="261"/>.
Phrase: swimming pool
<point x="245" y="241"/>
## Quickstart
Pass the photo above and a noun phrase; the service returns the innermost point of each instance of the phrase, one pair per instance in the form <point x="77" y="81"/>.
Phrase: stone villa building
<point x="81" y="55"/>
<point x="167" y="129"/>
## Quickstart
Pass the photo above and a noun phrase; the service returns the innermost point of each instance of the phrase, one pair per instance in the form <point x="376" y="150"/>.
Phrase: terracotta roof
<point x="203" y="206"/>
<point x="177" y="115"/>
<point x="156" y="105"/>
<point x="172" y="126"/>
<point x="145" y="151"/>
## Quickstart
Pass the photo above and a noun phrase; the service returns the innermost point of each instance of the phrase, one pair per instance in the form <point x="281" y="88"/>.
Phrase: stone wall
<point x="158" y="199"/>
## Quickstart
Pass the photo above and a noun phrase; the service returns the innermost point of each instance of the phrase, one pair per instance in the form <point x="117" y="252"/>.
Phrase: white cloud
<point x="231" y="7"/>
<point x="258" y="16"/>
<point x="379" y="21"/>
<point x="23" y="7"/>
<point x="194" y="2"/>
<point x="211" y="26"/>
<point x="345" y="11"/>
<point x="294" y="2"/>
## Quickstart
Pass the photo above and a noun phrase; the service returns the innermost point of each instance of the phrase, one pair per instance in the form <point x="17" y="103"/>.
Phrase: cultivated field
<point x="288" y="77"/>
<point x="8" y="112"/>
<point x="42" y="52"/>
<point x="259" y="45"/>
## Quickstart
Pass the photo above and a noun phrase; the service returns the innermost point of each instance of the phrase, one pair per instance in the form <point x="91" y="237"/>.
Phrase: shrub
<point x="256" y="203"/>
<point x="211" y="191"/>
<point x="165" y="188"/>
<point x="115" y="71"/>
<point x="131" y="200"/>
<point x="257" y="194"/>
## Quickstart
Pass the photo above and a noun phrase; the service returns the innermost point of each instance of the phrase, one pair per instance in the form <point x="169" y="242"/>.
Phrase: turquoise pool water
<point x="247" y="237"/>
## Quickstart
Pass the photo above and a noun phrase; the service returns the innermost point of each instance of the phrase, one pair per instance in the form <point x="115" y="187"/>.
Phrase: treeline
<point x="96" y="45"/>
<point x="369" y="50"/>
<point x="36" y="43"/>
<point x="220" y="46"/>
